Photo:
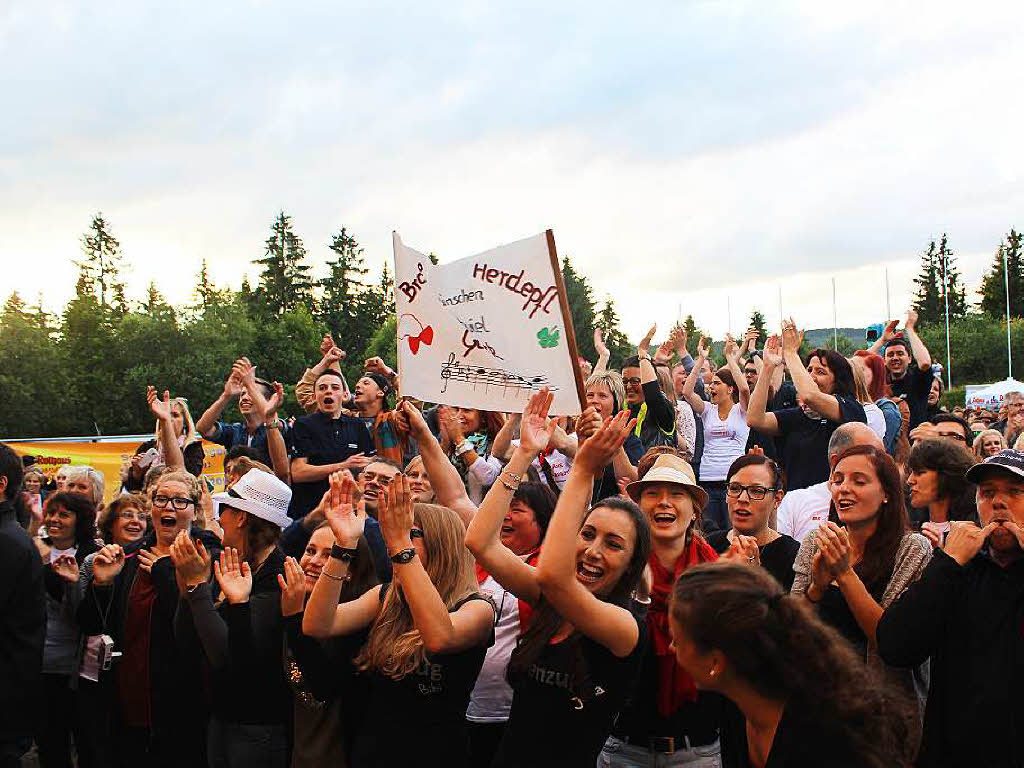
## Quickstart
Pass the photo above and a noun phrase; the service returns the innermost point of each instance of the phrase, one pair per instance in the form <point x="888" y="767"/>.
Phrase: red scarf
<point x="675" y="687"/>
<point x="525" y="609"/>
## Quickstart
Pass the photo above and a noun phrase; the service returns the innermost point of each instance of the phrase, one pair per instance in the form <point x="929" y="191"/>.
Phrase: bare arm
<point x="207" y="424"/>
<point x="806" y="389"/>
<point x="605" y="623"/>
<point x="168" y="440"/>
<point x="887" y="333"/>
<point x="732" y="354"/>
<point x="304" y="472"/>
<point x="502" y="445"/>
<point x="603" y="355"/>
<point x="922" y="356"/>
<point x="691" y="397"/>
<point x="757" y="415"/>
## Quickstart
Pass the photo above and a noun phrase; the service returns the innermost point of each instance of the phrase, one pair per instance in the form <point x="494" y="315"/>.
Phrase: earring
<point x="713" y="672"/>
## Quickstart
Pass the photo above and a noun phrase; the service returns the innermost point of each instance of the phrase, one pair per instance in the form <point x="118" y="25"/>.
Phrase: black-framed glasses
<point x="754" y="492"/>
<point x="952" y="436"/>
<point x="177" y="502"/>
<point x="632" y="381"/>
<point x="415" y="533"/>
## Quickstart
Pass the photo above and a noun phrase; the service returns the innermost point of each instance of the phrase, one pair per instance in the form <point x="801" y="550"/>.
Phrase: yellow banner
<point x="108" y="457"/>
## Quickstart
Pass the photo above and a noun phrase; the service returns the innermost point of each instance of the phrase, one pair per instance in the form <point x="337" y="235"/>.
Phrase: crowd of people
<point x="783" y="561"/>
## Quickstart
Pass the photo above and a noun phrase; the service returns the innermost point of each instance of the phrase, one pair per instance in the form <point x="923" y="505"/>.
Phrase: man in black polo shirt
<point x="966" y="613"/>
<point x="908" y="366"/>
<point x="324" y="442"/>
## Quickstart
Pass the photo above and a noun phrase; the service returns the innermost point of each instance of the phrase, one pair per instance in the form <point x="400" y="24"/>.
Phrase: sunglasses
<point x="415" y="533"/>
<point x="632" y="381"/>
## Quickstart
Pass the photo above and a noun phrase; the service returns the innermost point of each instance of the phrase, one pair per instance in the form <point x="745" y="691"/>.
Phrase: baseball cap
<point x="1007" y="462"/>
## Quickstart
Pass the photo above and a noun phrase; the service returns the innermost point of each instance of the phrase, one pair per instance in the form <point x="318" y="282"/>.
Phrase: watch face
<point x="404" y="556"/>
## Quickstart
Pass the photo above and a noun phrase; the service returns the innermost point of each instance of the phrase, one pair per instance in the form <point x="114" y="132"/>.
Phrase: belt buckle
<point x="665" y="745"/>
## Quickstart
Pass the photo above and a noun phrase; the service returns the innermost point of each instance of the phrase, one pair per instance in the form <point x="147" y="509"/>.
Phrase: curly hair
<point x="105" y="524"/>
<point x="982" y="437"/>
<point x="83" y="509"/>
<point x="776" y="644"/>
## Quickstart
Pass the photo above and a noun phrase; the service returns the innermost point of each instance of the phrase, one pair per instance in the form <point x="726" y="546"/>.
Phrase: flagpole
<point x="888" y="310"/>
<point x="835" y="321"/>
<point x="728" y="310"/>
<point x="1009" y="354"/>
<point x="945" y="294"/>
<point x="780" y="306"/>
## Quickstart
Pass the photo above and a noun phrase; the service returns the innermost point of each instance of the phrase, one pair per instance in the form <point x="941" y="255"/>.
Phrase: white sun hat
<point x="261" y="494"/>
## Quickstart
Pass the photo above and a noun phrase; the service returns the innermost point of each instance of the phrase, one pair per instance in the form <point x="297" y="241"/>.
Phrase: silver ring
<point x="750" y="559"/>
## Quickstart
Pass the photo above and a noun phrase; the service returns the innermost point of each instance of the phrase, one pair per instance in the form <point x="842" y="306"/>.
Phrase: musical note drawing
<point x="451" y="370"/>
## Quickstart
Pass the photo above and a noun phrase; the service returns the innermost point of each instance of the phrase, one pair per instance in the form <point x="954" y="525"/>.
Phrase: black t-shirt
<point x="420" y="719"/>
<point x="804" y="449"/>
<point x="549" y="725"/>
<point x="322" y="440"/>
<point x="777" y="556"/>
<point x="803" y="739"/>
<point x="606" y="485"/>
<point x="914" y="386"/>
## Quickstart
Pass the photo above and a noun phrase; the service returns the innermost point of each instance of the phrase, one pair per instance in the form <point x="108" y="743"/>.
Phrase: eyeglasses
<point x="133" y="515"/>
<point x="415" y="533"/>
<point x="178" y="502"/>
<point x="754" y="492"/>
<point x="632" y="381"/>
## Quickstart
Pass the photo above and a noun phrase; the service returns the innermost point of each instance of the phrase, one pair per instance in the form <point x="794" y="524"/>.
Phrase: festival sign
<point x="487" y="331"/>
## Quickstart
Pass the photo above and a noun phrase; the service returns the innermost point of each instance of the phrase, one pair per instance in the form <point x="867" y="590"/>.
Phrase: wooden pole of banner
<point x="570" y="335"/>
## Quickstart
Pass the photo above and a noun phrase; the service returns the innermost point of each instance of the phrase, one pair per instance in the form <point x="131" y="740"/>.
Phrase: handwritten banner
<point x="485" y="331"/>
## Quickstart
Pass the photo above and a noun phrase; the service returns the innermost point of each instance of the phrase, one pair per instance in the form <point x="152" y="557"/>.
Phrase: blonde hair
<point x="1019" y="445"/>
<point x="612" y="380"/>
<point x="194" y="492"/>
<point x="985" y="433"/>
<point x="191" y="435"/>
<point x="395" y="647"/>
<point x="860" y="384"/>
<point x="94" y="476"/>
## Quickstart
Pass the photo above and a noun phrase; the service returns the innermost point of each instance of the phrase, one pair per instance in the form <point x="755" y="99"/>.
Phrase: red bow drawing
<point x="426" y="336"/>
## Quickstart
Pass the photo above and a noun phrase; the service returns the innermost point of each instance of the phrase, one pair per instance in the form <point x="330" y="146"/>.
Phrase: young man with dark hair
<point x="22" y="620"/>
<point x="324" y="442"/>
<point x="252" y="430"/>
<point x="908" y="366"/>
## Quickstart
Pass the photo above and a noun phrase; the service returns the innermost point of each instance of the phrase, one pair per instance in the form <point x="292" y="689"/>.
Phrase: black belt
<point x="667" y="745"/>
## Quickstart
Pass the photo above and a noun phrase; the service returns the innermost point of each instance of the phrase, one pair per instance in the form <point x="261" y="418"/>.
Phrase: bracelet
<point x="275" y="424"/>
<point x="333" y="577"/>
<point x="464" y="447"/>
<point x="344" y="554"/>
<point x="517" y="479"/>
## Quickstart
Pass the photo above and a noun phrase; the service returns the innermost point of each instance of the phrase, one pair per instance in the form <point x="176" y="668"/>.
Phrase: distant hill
<point x="817" y="337"/>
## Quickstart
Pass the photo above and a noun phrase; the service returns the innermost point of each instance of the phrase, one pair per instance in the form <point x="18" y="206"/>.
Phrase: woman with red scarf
<point x="668" y="722"/>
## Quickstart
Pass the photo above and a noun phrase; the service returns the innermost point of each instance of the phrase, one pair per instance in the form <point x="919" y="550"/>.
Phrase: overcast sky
<point x="693" y="155"/>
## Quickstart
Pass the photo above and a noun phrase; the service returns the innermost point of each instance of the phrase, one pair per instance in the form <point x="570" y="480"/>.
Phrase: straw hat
<point x="669" y="469"/>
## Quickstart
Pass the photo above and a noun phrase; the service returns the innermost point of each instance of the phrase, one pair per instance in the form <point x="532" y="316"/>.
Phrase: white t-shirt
<point x="803" y="510"/>
<point x="876" y="419"/>
<point x="560" y="465"/>
<point x="55" y="553"/>
<point x="491" y="699"/>
<point x="724" y="441"/>
<point x="686" y="427"/>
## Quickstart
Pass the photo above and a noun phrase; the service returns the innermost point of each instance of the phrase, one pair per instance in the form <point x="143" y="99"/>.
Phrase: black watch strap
<point x="343" y="554"/>
<point x="403" y="557"/>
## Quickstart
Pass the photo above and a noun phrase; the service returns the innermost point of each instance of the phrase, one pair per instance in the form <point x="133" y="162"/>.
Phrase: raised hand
<point x="191" y="560"/>
<point x="234" y="576"/>
<point x="703" y="351"/>
<point x="148" y="558"/>
<point x="107" y="564"/>
<point x="664" y="354"/>
<point x="645" y="342"/>
<point x="276" y="400"/>
<point x="412" y="420"/>
<point x="233" y="387"/>
<point x="376" y="365"/>
<point x="293" y="588"/>
<point x="599" y="345"/>
<point x="791" y="337"/>
<point x="772" y="354"/>
<point x="743" y="549"/>
<point x="933" y="532"/>
<point x="159" y="408"/>
<point x="677" y="338"/>
<point x="66" y="567"/>
<point x="450" y="424"/>
<point x="244" y="370"/>
<point x="395" y="514"/>
<point x="327" y="344"/>
<point x="588" y="423"/>
<point x="731" y="349"/>
<point x="536" y="428"/>
<point x="750" y="339"/>
<point x="357" y="461"/>
<point x="965" y="540"/>
<point x="911" y="320"/>
<point x="345" y="520"/>
<point x="821" y="574"/>
<point x="597" y="450"/>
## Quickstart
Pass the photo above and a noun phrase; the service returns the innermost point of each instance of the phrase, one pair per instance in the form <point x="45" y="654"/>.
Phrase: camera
<point x="105" y="652"/>
<point x="873" y="332"/>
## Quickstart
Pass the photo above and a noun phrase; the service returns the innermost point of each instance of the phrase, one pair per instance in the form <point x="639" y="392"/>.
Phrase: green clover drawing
<point x="548" y="337"/>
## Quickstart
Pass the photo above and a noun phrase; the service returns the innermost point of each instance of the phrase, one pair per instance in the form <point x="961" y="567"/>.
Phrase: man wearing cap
<point x="909" y="378"/>
<point x="967" y="614"/>
<point x="667" y="715"/>
<point x="370" y="400"/>
<point x="324" y="442"/>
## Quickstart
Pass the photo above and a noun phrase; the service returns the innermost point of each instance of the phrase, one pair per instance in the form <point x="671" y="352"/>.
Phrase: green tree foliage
<point x="580" y="297"/>
<point x="100" y="266"/>
<point x="285" y="282"/>
<point x="938" y="262"/>
<point x="384" y="343"/>
<point x="978" y="347"/>
<point x="993" y="283"/>
<point x="757" y="321"/>
<point x="616" y="341"/>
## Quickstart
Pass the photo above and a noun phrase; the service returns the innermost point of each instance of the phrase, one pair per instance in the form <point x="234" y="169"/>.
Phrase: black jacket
<point x="656" y="424"/>
<point x="22" y="626"/>
<point x="173" y="678"/>
<point x="243" y="648"/>
<point x="970" y="621"/>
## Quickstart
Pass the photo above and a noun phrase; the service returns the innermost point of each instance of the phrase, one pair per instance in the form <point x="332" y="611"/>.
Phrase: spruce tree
<point x="618" y="345"/>
<point x="945" y="260"/>
<point x="285" y="282"/>
<point x="757" y="322"/>
<point x="580" y="298"/>
<point x="927" y="296"/>
<point x="351" y="309"/>
<point x="993" y="283"/>
<point x="100" y="269"/>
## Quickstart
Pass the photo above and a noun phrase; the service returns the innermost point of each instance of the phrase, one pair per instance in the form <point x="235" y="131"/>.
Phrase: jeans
<point x="237" y="745"/>
<point x="715" y="516"/>
<point x="619" y="754"/>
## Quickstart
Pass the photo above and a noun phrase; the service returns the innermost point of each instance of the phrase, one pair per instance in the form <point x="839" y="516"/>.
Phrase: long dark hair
<point x="725" y="376"/>
<point x="950" y="461"/>
<point x="841" y="371"/>
<point x="84" y="511"/>
<point x="891" y="525"/>
<point x="547" y="621"/>
<point x="540" y="499"/>
<point x="776" y="644"/>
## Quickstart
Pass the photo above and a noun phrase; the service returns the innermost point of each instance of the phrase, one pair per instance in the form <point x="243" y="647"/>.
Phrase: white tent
<point x="992" y="396"/>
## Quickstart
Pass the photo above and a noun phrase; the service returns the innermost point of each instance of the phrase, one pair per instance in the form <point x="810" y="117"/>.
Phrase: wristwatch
<point x="464" y="447"/>
<point x="403" y="557"/>
<point x="275" y="424"/>
<point x="343" y="553"/>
